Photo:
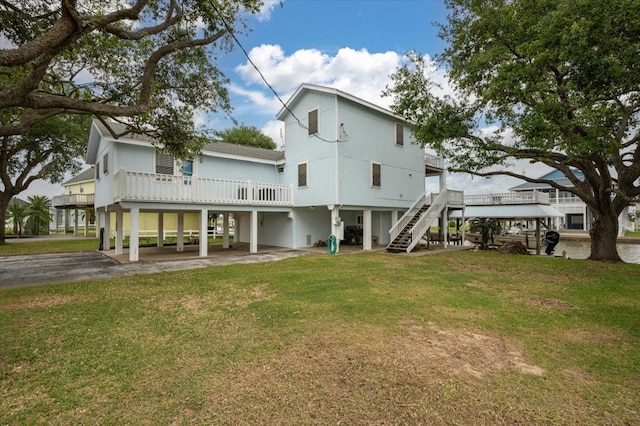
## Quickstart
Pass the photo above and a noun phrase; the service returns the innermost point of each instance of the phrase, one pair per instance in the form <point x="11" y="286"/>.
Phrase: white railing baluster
<point x="131" y="186"/>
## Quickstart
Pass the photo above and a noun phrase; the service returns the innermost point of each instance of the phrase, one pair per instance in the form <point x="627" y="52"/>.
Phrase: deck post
<point x="253" y="229"/>
<point x="134" y="240"/>
<point x="366" y="229"/>
<point x="106" y="237"/>
<point x="75" y="222"/>
<point x="204" y="215"/>
<point x="119" y="232"/>
<point x="180" y="239"/>
<point x="538" y="236"/>
<point x="225" y="230"/>
<point x="160" y="241"/>
<point x="86" y="222"/>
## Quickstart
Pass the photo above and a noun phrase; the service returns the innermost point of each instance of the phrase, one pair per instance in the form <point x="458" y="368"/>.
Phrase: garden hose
<point x="332" y="244"/>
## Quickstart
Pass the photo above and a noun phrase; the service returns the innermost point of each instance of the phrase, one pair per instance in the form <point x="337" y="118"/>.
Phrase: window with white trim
<point x="399" y="134"/>
<point x="313" y="122"/>
<point x="105" y="163"/>
<point x="164" y="163"/>
<point x="302" y="175"/>
<point x="376" y="177"/>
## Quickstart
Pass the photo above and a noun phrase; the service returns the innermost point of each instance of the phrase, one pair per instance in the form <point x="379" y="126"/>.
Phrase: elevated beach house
<point x="348" y="169"/>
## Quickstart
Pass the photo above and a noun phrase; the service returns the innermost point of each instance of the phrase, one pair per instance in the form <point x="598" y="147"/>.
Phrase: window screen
<point x="105" y="163"/>
<point x="187" y="168"/>
<point x="164" y="163"/>
<point x="399" y="134"/>
<point x="302" y="174"/>
<point x="313" y="122"/>
<point x="376" y="179"/>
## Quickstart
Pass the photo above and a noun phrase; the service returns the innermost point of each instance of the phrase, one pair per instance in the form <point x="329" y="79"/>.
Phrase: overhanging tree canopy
<point x="562" y="76"/>
<point x="149" y="61"/>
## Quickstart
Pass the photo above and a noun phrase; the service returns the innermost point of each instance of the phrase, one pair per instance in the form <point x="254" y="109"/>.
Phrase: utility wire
<point x="230" y="30"/>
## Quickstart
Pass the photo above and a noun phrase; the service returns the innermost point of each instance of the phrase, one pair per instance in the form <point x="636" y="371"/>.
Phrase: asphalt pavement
<point x="22" y="271"/>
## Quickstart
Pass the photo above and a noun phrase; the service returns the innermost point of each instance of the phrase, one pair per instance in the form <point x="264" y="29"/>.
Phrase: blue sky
<point x="352" y="45"/>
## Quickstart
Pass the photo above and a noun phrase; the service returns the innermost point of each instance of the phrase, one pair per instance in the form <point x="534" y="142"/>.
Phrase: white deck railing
<point x="74" y="200"/>
<point x="525" y="197"/>
<point x="138" y="186"/>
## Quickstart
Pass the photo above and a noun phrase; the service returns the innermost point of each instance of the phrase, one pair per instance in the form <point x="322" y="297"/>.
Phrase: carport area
<point x="169" y="253"/>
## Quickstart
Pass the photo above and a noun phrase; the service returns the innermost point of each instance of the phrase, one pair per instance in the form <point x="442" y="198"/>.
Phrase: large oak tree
<point x="562" y="76"/>
<point x="149" y="64"/>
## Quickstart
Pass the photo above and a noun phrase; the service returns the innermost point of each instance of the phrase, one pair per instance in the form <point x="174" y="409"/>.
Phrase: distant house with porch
<point x="349" y="169"/>
<point x="576" y="215"/>
<point x="74" y="209"/>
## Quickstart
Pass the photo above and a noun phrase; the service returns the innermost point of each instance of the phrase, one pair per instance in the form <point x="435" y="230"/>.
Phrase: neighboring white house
<point x="74" y="208"/>
<point x="576" y="214"/>
<point x="347" y="164"/>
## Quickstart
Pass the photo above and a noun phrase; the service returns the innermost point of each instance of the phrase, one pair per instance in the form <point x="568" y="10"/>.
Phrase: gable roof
<point x="306" y="87"/>
<point x="85" y="176"/>
<point x="221" y="149"/>
<point x="554" y="175"/>
<point x="243" y="151"/>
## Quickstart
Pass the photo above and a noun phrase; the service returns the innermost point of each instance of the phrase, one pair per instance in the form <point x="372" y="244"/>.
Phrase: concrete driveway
<point x="22" y="271"/>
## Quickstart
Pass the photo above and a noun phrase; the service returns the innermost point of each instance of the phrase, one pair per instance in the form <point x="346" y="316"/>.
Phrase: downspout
<point x="337" y="154"/>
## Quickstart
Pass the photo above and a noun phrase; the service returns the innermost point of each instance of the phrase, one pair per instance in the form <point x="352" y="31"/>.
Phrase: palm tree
<point x="38" y="213"/>
<point x="16" y="212"/>
<point x="487" y="228"/>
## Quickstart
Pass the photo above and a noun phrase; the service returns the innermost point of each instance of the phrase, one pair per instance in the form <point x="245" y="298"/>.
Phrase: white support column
<point x="106" y="237"/>
<point x="75" y="222"/>
<point x="160" y="242"/>
<point x="180" y="243"/>
<point x="394" y="217"/>
<point x="337" y="227"/>
<point x="86" y="222"/>
<point x="253" y="229"/>
<point x="134" y="235"/>
<point x="225" y="230"/>
<point x="204" y="214"/>
<point x="119" y="232"/>
<point x="445" y="227"/>
<point x="366" y="229"/>
<point x="67" y="220"/>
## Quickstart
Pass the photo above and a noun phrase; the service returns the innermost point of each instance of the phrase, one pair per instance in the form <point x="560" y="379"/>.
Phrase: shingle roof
<point x="212" y="147"/>
<point x="87" y="175"/>
<point x="244" y="151"/>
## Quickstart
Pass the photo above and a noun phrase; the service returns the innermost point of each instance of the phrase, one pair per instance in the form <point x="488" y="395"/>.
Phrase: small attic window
<point x="313" y="122"/>
<point x="399" y="134"/>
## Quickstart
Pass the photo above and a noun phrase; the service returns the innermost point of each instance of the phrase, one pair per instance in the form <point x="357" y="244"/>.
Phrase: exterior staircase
<point x="409" y="230"/>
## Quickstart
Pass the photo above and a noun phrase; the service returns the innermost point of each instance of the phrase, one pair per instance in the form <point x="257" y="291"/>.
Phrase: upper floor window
<point x="105" y="163"/>
<point x="164" y="163"/>
<point x="376" y="178"/>
<point x="313" y="122"/>
<point x="97" y="170"/>
<point x="187" y="168"/>
<point x="81" y="189"/>
<point x="302" y="174"/>
<point x="399" y="134"/>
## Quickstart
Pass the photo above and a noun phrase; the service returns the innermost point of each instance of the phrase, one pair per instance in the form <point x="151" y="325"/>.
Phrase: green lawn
<point x="456" y="338"/>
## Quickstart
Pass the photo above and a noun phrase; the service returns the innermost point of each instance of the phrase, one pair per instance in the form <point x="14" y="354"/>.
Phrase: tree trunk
<point x="4" y="204"/>
<point x="604" y="236"/>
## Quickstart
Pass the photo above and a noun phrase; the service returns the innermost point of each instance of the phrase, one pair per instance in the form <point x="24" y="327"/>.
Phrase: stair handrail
<point x="426" y="219"/>
<point x="407" y="216"/>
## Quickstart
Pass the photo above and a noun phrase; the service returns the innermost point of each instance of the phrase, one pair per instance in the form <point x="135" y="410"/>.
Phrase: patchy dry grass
<point x="460" y="338"/>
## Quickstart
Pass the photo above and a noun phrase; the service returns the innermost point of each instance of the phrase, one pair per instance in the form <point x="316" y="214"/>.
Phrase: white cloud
<point x="357" y="72"/>
<point x="266" y="9"/>
<point x="275" y="130"/>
